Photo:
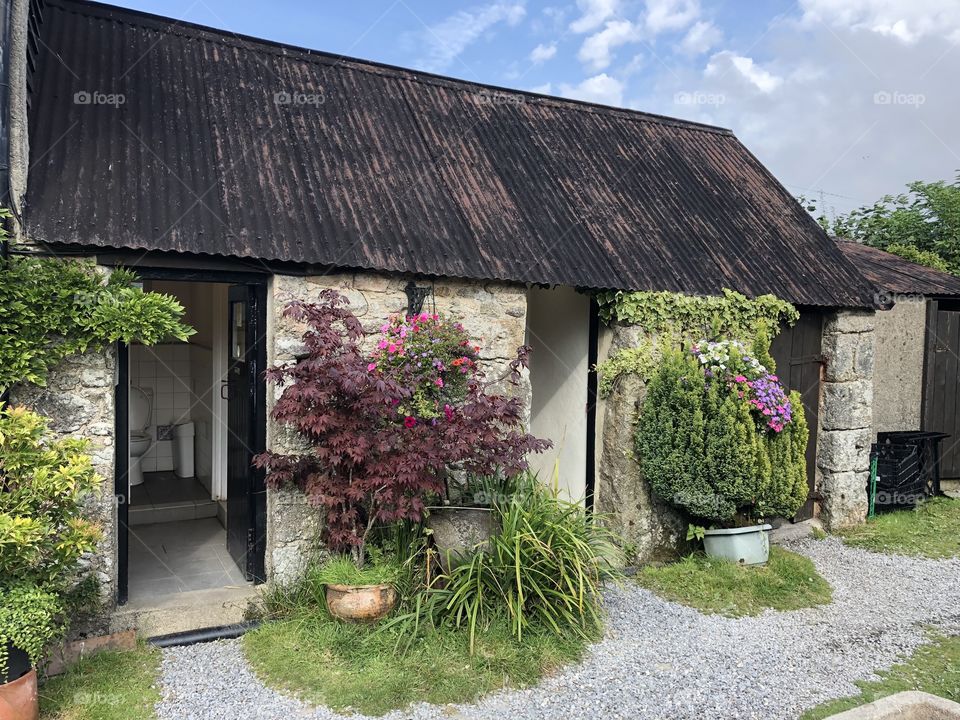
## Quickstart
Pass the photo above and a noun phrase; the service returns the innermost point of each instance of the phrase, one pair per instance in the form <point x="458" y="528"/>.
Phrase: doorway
<point x="192" y="508"/>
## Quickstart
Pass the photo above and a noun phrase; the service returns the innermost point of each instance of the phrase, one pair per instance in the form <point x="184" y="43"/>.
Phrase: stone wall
<point x="846" y="417"/>
<point x="493" y="313"/>
<point x="78" y="400"/>
<point x="898" y="372"/>
<point x="651" y="527"/>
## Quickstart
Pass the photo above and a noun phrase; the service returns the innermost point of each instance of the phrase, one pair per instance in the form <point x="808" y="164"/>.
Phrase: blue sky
<point x="844" y="100"/>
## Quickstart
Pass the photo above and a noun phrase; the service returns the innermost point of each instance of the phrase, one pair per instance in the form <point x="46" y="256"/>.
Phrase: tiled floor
<point x="163" y="497"/>
<point x="175" y="557"/>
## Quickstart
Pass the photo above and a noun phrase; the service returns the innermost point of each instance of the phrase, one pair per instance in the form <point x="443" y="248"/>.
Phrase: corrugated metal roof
<point x="378" y="167"/>
<point x="893" y="274"/>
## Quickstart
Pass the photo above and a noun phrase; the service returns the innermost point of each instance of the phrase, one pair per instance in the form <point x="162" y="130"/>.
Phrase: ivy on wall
<point x="52" y="308"/>
<point x="671" y="319"/>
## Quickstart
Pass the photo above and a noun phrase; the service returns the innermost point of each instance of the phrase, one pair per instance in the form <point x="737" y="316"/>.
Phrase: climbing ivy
<point x="52" y="308"/>
<point x="670" y="319"/>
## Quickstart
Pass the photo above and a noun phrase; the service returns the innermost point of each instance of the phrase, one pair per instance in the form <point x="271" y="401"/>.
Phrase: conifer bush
<point x="719" y="438"/>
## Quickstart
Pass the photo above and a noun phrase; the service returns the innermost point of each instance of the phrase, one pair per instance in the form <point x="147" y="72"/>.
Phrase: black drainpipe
<point x="592" y="356"/>
<point x="6" y="19"/>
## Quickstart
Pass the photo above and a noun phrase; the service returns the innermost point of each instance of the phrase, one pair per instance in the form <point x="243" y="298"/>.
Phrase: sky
<point x="844" y="100"/>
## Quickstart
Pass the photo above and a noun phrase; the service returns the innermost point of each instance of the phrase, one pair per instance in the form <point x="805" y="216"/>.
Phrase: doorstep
<point x="910" y="705"/>
<point x="185" y="611"/>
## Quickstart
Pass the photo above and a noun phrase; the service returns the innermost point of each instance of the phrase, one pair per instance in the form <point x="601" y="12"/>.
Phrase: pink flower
<point x="392" y="348"/>
<point x="382" y="344"/>
<point x="409" y="421"/>
<point x="371" y="367"/>
<point x="739" y="379"/>
<point x="438" y="382"/>
<point x="448" y="412"/>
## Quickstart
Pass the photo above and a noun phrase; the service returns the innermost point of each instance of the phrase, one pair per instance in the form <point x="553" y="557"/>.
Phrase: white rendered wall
<point x="558" y="330"/>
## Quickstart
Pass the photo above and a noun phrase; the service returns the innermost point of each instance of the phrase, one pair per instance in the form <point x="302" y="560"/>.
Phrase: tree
<point x="921" y="225"/>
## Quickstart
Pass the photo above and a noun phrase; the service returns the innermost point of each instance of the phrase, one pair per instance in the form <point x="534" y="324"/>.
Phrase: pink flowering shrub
<point x="365" y="460"/>
<point x="436" y="357"/>
<point x="728" y="361"/>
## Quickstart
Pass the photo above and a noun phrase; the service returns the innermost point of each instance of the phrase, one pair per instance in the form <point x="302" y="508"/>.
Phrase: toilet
<point x="140" y="440"/>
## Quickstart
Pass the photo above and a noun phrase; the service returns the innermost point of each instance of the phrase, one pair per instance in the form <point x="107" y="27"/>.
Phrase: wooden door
<point x="941" y="402"/>
<point x="797" y="352"/>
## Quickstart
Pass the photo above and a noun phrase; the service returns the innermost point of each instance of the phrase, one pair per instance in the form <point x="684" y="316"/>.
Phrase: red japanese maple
<point x="364" y="462"/>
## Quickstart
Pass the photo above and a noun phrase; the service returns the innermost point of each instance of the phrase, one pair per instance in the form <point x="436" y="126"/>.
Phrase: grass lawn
<point x="351" y="667"/>
<point x="934" y="668"/>
<point x="107" y="686"/>
<point x="787" y="582"/>
<point x="931" y="530"/>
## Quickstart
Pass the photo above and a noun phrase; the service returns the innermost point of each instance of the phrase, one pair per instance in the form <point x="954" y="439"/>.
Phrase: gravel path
<point x="658" y="659"/>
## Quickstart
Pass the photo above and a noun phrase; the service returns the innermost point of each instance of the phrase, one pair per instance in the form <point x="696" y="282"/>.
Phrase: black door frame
<point x="258" y="495"/>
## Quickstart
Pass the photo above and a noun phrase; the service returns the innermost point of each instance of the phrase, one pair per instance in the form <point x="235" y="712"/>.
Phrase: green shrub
<point x="544" y="567"/>
<point x="52" y="308"/>
<point x="704" y="449"/>
<point x="43" y="484"/>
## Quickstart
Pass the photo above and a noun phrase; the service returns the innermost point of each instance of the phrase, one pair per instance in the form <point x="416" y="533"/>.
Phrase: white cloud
<point x="701" y="36"/>
<point x="846" y="117"/>
<point x="448" y="38"/>
<point x="596" y="49"/>
<point x="670" y="15"/>
<point x="541" y="53"/>
<point x="545" y="89"/>
<point x="763" y="80"/>
<point x="905" y="20"/>
<point x="599" y="89"/>
<point x="593" y="14"/>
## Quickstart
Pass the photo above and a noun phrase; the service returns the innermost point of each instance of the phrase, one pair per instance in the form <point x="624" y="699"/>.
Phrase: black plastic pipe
<point x="192" y="637"/>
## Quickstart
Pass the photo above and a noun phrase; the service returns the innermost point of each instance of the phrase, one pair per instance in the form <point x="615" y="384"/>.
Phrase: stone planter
<point x="18" y="698"/>
<point x="746" y="545"/>
<point x="361" y="603"/>
<point x="459" y="532"/>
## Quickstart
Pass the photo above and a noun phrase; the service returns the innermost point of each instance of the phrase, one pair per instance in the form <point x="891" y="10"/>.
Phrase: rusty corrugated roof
<point x="382" y="168"/>
<point x="893" y="274"/>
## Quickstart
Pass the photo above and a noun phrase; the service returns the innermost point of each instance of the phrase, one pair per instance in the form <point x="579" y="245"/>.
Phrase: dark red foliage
<point x="367" y="463"/>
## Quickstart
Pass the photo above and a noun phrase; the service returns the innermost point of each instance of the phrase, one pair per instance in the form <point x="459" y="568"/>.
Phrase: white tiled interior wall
<point x="163" y="371"/>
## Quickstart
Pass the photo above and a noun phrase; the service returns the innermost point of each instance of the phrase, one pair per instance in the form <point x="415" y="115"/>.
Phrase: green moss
<point x="787" y="582"/>
<point x="933" y="668"/>
<point x="106" y="686"/>
<point x="356" y="668"/>
<point x="931" y="530"/>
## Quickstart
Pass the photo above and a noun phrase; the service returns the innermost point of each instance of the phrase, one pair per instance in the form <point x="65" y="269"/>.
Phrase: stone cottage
<point x="239" y="174"/>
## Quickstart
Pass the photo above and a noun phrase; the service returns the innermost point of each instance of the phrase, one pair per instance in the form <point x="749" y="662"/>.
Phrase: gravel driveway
<point x="658" y="659"/>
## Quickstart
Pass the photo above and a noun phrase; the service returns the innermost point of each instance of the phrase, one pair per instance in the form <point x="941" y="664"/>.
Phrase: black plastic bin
<point x="928" y="448"/>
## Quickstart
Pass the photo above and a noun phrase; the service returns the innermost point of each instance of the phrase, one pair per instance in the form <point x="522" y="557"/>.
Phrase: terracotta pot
<point x="460" y="532"/>
<point x="18" y="699"/>
<point x="361" y="603"/>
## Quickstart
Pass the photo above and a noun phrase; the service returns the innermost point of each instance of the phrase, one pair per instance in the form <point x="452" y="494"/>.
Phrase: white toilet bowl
<point x="140" y="440"/>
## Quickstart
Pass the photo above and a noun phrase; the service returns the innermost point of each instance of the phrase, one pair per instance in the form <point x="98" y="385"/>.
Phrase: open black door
<point x="246" y="423"/>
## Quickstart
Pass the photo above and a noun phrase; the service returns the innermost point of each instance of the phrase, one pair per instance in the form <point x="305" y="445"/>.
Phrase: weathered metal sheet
<point x="233" y="146"/>
<point x="892" y="275"/>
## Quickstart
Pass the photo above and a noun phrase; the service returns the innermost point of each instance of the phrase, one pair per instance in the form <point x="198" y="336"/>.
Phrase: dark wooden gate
<point x="941" y="403"/>
<point x="797" y="352"/>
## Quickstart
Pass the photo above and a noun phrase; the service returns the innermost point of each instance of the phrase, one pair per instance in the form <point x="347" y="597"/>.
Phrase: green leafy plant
<point x="671" y="319"/>
<point x="30" y="618"/>
<point x="43" y="484"/>
<point x="545" y="566"/>
<point x="52" y="308"/>
<point x="703" y="450"/>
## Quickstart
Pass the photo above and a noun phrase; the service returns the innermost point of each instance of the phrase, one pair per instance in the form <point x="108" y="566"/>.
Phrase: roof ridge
<point x="160" y="23"/>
